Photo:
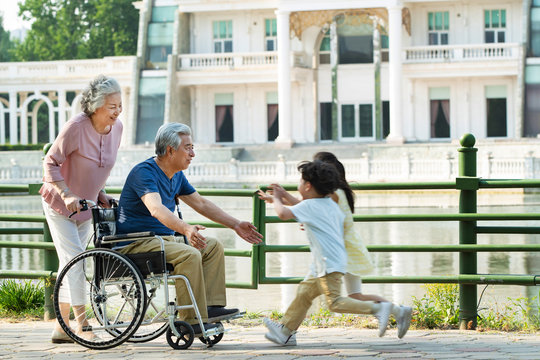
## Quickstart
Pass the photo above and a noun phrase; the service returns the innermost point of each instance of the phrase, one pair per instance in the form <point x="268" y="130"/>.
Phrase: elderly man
<point x="148" y="202"/>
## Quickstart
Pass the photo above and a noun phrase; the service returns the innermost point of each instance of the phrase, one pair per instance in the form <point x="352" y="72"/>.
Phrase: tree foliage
<point x="6" y="44"/>
<point x="78" y="29"/>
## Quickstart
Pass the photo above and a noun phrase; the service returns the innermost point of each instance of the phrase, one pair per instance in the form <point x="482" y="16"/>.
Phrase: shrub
<point x="18" y="297"/>
<point x="519" y="314"/>
<point x="438" y="308"/>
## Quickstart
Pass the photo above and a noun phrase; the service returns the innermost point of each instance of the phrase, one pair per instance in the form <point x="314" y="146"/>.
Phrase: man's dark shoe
<point x="197" y="328"/>
<point x="217" y="313"/>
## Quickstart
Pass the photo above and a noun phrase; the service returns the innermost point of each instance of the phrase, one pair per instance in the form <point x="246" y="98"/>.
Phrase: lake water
<point x="277" y="297"/>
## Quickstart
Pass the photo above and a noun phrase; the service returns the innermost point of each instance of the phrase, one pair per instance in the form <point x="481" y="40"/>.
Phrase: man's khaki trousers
<point x="205" y="270"/>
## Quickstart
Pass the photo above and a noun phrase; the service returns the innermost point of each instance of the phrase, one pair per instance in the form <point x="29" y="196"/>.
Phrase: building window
<point x="440" y="112"/>
<point x="531" y="126"/>
<point x="496" y="111"/>
<point x="160" y="37"/>
<point x="355" y="49"/>
<point x="349" y="119"/>
<point x="151" y="108"/>
<point x="324" y="49"/>
<point x="495" y="26"/>
<point x="534" y="33"/>
<point x="270" y="35"/>
<point x="326" y="121"/>
<point x="272" y="115"/>
<point x="223" y="36"/>
<point x="273" y="123"/>
<point x="224" y="117"/>
<point x="438" y="27"/>
<point x="365" y="112"/>
<point x="385" y="118"/>
<point x="384" y="48"/>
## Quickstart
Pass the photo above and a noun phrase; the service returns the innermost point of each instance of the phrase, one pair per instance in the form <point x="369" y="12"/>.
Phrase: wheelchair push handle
<point x="84" y="205"/>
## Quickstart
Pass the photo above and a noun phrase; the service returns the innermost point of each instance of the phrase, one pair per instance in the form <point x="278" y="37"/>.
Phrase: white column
<point x="61" y="109"/>
<point x="284" y="79"/>
<point x="395" y="73"/>
<point x="2" y="125"/>
<point x="13" y="117"/>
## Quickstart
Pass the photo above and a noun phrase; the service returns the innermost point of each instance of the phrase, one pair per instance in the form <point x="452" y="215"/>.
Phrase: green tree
<point x="6" y="45"/>
<point x="78" y="29"/>
<point x="115" y="29"/>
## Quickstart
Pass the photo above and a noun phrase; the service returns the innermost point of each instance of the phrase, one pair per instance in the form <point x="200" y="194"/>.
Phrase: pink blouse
<point x="81" y="157"/>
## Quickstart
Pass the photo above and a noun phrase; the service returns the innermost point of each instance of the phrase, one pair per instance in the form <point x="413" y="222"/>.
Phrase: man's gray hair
<point x="168" y="135"/>
<point x="93" y="96"/>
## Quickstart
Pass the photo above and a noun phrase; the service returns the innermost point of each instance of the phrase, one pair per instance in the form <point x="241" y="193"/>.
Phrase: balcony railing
<point x="226" y="60"/>
<point x="457" y="53"/>
<point x="67" y="68"/>
<point x="235" y="60"/>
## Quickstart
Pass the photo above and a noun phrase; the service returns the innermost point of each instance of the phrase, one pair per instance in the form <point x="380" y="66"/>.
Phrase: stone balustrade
<point x="404" y="168"/>
<point x="458" y="53"/>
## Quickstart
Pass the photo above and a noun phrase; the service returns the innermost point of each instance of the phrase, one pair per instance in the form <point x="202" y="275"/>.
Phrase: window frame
<point x="438" y="33"/>
<point x="357" y="136"/>
<point x="273" y="34"/>
<point x="218" y="40"/>
<point x="497" y="31"/>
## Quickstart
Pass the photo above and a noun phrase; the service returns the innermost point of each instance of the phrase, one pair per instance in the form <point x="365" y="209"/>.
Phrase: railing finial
<point x="467" y="140"/>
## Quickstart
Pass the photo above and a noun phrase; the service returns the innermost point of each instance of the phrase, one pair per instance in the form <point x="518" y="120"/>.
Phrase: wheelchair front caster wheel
<point x="186" y="336"/>
<point x="214" y="339"/>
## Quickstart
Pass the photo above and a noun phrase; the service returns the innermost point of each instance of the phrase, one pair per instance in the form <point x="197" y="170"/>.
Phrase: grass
<point x="437" y="309"/>
<point x="21" y="299"/>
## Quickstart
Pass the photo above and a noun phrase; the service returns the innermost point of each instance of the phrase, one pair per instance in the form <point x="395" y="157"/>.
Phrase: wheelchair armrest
<point x="126" y="237"/>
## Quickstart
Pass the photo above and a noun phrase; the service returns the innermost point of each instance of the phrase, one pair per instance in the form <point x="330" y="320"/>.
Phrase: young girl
<point x="359" y="261"/>
<point x="323" y="223"/>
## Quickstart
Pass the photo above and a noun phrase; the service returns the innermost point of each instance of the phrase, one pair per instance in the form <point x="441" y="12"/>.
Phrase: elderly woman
<point x="76" y="167"/>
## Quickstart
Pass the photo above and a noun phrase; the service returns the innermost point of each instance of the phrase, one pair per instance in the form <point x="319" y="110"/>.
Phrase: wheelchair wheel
<point x="113" y="295"/>
<point x="186" y="336"/>
<point x="155" y="321"/>
<point x="214" y="339"/>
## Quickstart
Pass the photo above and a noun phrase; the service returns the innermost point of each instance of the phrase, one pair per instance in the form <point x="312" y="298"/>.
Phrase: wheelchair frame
<point x="116" y="297"/>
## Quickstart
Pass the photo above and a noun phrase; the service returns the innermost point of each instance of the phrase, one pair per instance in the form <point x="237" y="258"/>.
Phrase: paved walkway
<point x="30" y="340"/>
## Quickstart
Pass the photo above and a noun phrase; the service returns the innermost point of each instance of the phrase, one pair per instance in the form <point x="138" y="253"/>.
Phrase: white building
<point x="359" y="71"/>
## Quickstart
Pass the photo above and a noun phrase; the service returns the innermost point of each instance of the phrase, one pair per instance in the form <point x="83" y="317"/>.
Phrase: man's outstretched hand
<point x="248" y="232"/>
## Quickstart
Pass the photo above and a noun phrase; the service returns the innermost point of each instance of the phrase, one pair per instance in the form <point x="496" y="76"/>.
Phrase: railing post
<point x="258" y="258"/>
<point x="467" y="233"/>
<point x="51" y="264"/>
<point x="50" y="261"/>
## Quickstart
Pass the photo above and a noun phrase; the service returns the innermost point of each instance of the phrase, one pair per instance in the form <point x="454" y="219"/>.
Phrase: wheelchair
<point x="126" y="296"/>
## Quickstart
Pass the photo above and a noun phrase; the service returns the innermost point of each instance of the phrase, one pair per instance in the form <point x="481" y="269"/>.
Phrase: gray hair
<point x="168" y="135"/>
<point x="93" y="96"/>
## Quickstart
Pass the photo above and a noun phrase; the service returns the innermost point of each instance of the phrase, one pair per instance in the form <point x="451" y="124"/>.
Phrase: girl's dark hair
<point x="330" y="158"/>
<point x="322" y="176"/>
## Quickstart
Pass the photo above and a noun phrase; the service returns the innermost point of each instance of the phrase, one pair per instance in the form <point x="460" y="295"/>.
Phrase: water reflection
<point x="269" y="297"/>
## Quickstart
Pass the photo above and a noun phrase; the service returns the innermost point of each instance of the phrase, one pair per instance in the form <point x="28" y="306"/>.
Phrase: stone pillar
<point x="61" y="108"/>
<point x="377" y="74"/>
<point x="130" y="126"/>
<point x="395" y="74"/>
<point x="2" y="125"/>
<point x="284" y="138"/>
<point x="13" y="126"/>
<point x="333" y="72"/>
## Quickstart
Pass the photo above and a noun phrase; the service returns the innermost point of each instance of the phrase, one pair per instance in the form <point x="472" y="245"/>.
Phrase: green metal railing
<point x="51" y="259"/>
<point x="467" y="183"/>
